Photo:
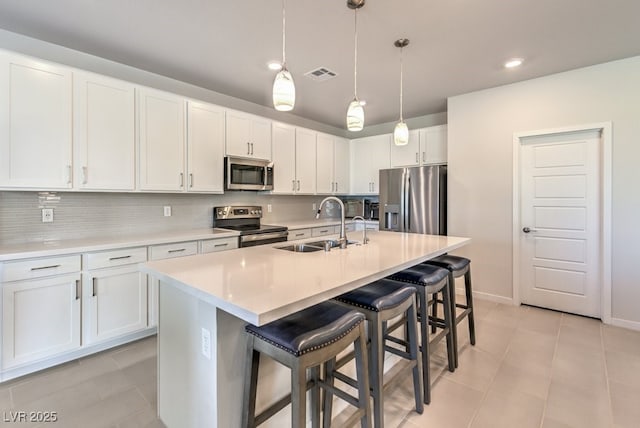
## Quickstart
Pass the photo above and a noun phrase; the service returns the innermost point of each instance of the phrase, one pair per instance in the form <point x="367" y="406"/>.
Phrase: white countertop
<point x="54" y="248"/>
<point x="263" y="283"/>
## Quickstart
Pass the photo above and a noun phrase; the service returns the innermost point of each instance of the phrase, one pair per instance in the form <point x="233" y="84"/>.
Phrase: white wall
<point x="481" y="128"/>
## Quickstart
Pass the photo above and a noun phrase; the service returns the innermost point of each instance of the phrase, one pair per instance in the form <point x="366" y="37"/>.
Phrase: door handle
<point x="248" y="148"/>
<point x="528" y="230"/>
<point x="94" y="286"/>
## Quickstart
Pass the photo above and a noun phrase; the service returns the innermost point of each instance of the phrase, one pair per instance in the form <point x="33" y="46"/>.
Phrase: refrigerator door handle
<point x="404" y="201"/>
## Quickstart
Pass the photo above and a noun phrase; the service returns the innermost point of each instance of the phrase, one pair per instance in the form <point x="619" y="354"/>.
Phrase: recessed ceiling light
<point x="513" y="62"/>
<point x="274" y="65"/>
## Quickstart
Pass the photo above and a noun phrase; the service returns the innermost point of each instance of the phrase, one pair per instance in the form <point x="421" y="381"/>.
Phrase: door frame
<point x="606" y="129"/>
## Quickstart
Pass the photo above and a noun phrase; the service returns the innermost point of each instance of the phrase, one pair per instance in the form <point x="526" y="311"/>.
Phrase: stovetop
<point x="249" y="229"/>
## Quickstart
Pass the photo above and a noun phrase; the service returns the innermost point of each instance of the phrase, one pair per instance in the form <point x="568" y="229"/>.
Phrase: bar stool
<point x="302" y="341"/>
<point x="429" y="281"/>
<point x="380" y="302"/>
<point x="458" y="266"/>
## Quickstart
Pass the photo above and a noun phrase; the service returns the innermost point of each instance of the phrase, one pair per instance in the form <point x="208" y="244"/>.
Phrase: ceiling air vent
<point x="321" y="74"/>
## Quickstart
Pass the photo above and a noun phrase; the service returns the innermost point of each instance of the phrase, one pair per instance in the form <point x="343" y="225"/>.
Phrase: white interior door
<point x="560" y="221"/>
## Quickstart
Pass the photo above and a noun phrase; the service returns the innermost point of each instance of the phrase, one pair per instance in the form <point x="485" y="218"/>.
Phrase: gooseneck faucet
<point x="343" y="234"/>
<point x="365" y="240"/>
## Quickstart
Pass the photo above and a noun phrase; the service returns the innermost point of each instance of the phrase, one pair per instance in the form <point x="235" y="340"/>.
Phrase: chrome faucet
<point x="365" y="240"/>
<point x="343" y="234"/>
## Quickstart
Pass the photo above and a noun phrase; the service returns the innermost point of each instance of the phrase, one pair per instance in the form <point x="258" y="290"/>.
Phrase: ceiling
<point x="456" y="46"/>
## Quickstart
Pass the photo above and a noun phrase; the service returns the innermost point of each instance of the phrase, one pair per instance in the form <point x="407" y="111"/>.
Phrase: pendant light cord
<point x="284" y="39"/>
<point x="401" y="69"/>
<point x="355" y="56"/>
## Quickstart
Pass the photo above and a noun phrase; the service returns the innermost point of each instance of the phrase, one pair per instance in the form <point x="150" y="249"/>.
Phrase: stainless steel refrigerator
<point x="414" y="199"/>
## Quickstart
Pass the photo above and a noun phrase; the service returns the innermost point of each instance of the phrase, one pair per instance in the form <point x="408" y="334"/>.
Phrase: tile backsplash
<point x="89" y="215"/>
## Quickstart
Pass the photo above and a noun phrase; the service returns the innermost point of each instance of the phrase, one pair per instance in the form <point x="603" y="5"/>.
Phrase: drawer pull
<point x="77" y="289"/>
<point x="221" y="245"/>
<point x="119" y="258"/>
<point x="94" y="285"/>
<point x="46" y="267"/>
<point x="299" y="234"/>
<point x="177" y="251"/>
<point x="324" y="231"/>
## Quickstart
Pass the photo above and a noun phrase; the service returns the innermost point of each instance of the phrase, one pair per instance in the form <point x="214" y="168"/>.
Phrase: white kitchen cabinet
<point x="294" y="160"/>
<point x="115" y="302"/>
<point x="248" y="136"/>
<point x="205" y="147"/>
<point x="35" y="124"/>
<point x="332" y="174"/>
<point x="426" y="146"/>
<point x="40" y="309"/>
<point x="161" y="123"/>
<point x="368" y="156"/>
<point x="104" y="133"/>
<point x="219" y="244"/>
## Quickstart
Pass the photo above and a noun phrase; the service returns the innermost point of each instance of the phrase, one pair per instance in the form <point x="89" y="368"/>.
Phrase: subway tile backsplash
<point x="90" y="215"/>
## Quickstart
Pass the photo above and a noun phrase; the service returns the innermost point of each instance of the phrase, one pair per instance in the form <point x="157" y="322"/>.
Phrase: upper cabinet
<point x="104" y="133"/>
<point x="426" y="146"/>
<point x="332" y="175"/>
<point x="205" y="148"/>
<point x="35" y="124"/>
<point x="294" y="160"/>
<point x="248" y="136"/>
<point x="162" y="140"/>
<point x="305" y="161"/>
<point x="368" y="156"/>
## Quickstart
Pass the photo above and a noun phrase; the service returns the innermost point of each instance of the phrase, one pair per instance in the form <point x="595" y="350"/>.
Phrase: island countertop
<point x="263" y="283"/>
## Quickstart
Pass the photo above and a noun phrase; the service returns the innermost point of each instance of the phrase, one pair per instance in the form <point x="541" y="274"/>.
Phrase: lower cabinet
<point x="40" y="318"/>
<point x="115" y="302"/>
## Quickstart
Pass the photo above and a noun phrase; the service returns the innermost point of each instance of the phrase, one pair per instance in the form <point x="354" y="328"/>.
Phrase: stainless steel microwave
<point x="247" y="174"/>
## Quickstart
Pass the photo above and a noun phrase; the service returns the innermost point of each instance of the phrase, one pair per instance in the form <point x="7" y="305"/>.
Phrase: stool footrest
<point x="340" y="393"/>
<point x="346" y="379"/>
<point x="460" y="317"/>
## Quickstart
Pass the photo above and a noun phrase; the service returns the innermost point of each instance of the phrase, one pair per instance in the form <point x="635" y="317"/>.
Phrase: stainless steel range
<point x="246" y="220"/>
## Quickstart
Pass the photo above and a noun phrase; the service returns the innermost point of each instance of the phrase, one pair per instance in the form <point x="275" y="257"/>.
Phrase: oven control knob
<point x="259" y="212"/>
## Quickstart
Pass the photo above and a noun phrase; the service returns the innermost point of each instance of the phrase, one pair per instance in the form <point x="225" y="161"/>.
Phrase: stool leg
<point x="434" y="312"/>
<point x="252" y="362"/>
<point x="377" y="362"/>
<point x="417" y="369"/>
<point x="454" y="330"/>
<point x="298" y="396"/>
<point x="424" y="332"/>
<point x="449" y="322"/>
<point x="469" y="295"/>
<point x="362" y="371"/>
<point x="329" y="368"/>
<point x="315" y="397"/>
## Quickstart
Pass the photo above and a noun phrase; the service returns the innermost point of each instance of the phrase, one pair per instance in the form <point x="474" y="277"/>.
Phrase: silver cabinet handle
<point x="182" y="179"/>
<point x="177" y="251"/>
<point x="248" y="148"/>
<point x="84" y="175"/>
<point x="191" y="180"/>
<point x="298" y="185"/>
<point x="119" y="258"/>
<point x="417" y="159"/>
<point x="45" y="267"/>
<point x="299" y="234"/>
<point x="221" y="245"/>
<point x="424" y="157"/>
<point x="77" y="289"/>
<point x="94" y="286"/>
<point x="251" y="148"/>
<point x="293" y="185"/>
<point x="69" y="174"/>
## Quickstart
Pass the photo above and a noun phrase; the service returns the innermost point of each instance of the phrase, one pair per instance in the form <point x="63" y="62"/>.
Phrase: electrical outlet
<point x="47" y="215"/>
<point x="269" y="208"/>
<point x="167" y="211"/>
<point x="206" y="343"/>
<point x="313" y="207"/>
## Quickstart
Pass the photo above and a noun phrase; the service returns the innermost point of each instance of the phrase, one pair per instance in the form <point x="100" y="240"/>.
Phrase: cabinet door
<point x="305" y="161"/>
<point x="162" y="141"/>
<point x="238" y="134"/>
<point x="434" y="144"/>
<point x="341" y="165"/>
<point x="104" y="133"/>
<point x="359" y="171"/>
<point x="284" y="158"/>
<point x="380" y="158"/>
<point x="35" y="124"/>
<point x="40" y="318"/>
<point x="260" y="138"/>
<point x="325" y="183"/>
<point x="115" y="302"/>
<point x="205" y="147"/>
<point x="408" y="155"/>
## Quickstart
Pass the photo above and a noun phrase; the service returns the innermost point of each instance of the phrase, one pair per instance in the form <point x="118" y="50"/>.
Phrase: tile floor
<point x="530" y="368"/>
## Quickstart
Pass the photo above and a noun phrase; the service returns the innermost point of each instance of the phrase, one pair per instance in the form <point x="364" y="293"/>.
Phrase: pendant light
<point x="284" y="91"/>
<point x="355" y="111"/>
<point x="401" y="131"/>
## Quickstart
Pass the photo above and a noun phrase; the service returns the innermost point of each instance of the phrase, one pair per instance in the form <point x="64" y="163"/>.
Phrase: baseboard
<point x="631" y="325"/>
<point x="490" y="297"/>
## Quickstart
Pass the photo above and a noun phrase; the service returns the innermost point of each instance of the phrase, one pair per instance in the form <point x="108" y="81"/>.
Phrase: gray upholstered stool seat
<point x="429" y="281"/>
<point x="380" y="302"/>
<point x="457" y="267"/>
<point x="301" y="341"/>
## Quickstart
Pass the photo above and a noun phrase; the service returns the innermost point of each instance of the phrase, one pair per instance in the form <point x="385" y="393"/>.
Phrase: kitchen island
<point x="206" y="300"/>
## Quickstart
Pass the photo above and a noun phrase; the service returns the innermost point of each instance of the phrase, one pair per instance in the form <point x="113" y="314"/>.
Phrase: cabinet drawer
<point x="179" y="249"/>
<point x="299" y="234"/>
<point x="349" y="227"/>
<point x="322" y="231"/>
<point x="125" y="256"/>
<point x="39" y="268"/>
<point x="214" y="245"/>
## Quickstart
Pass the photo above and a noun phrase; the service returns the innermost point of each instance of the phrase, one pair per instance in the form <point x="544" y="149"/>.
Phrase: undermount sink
<point x="300" y="248"/>
<point x="334" y="243"/>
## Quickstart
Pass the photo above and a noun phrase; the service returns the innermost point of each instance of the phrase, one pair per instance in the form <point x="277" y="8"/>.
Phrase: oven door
<point x="262" y="238"/>
<point x="248" y="174"/>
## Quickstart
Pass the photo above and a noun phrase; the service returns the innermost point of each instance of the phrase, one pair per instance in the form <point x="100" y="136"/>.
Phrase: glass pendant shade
<point x="284" y="91"/>
<point x="401" y="134"/>
<point x="355" y="116"/>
